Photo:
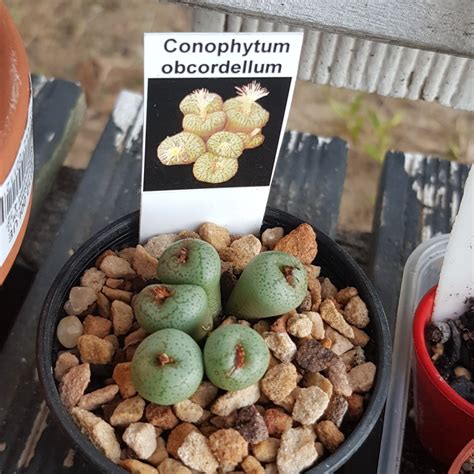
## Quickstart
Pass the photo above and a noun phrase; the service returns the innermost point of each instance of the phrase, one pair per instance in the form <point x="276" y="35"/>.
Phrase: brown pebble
<point x="91" y="401"/>
<point x="177" y="436"/>
<point x="93" y="278"/>
<point x="122" y="317"/>
<point x="314" y="287"/>
<point x="300" y="242"/>
<point x="95" y="350"/>
<point x="277" y="421"/>
<point x="160" y="453"/>
<point x="329" y="434"/>
<point x="338" y="376"/>
<point x="116" y="267"/>
<point x="279" y="382"/>
<point x="127" y="253"/>
<point x="266" y="450"/>
<point x="101" y="257"/>
<point x="115" y="283"/>
<point x="144" y="264"/>
<point x="73" y="385"/>
<point x="251" y="465"/>
<point x="161" y="416"/>
<point x="355" y="406"/>
<point x="251" y="425"/>
<point x="336" y="410"/>
<point x="128" y="411"/>
<point x="360" y="338"/>
<point x="80" y="300"/>
<point x="313" y="356"/>
<point x="224" y="421"/>
<point x="99" y="432"/>
<point x="64" y="362"/>
<point x="205" y="394"/>
<point x="356" y="312"/>
<point x="361" y="378"/>
<point x="343" y="296"/>
<point x="306" y="304"/>
<point x="229" y="448"/>
<point x="97" y="326"/>
<point x="216" y="235"/>
<point x="122" y="377"/>
<point x="137" y="467"/>
<point x="121" y="295"/>
<point x="103" y="305"/>
<point x="135" y="337"/>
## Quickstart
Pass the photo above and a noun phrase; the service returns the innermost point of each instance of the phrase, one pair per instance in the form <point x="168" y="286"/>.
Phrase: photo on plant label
<point x="212" y="132"/>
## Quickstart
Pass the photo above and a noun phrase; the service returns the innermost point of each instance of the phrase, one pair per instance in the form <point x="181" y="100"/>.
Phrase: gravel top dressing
<point x="207" y="352"/>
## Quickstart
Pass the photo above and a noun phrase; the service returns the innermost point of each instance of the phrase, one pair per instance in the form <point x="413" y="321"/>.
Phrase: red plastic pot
<point x="463" y="456"/>
<point x="444" y="420"/>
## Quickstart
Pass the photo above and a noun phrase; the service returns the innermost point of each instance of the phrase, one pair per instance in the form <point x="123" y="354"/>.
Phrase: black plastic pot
<point x="337" y="264"/>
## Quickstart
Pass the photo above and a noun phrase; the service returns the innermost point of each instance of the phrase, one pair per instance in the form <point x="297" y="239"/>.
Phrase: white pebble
<point x="69" y="330"/>
<point x="270" y="237"/>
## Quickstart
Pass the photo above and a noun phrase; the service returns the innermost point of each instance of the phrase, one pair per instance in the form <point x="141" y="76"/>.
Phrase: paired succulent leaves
<point x="181" y="310"/>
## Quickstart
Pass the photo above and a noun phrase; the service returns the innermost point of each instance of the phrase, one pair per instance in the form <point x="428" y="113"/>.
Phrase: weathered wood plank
<point x="58" y="110"/>
<point x="440" y="26"/>
<point x="360" y="64"/>
<point x="309" y="179"/>
<point x="418" y="198"/>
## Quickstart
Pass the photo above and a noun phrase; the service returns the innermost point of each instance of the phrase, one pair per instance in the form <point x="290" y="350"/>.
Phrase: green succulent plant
<point x="182" y="307"/>
<point x="167" y="367"/>
<point x="193" y="262"/>
<point x="273" y="283"/>
<point x="235" y="357"/>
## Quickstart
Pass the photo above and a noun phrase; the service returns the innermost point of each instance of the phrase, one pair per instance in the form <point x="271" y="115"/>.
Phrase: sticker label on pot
<point x="15" y="193"/>
<point x="216" y="106"/>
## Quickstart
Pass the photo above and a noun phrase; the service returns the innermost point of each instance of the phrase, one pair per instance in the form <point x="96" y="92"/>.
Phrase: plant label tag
<point x="216" y="106"/>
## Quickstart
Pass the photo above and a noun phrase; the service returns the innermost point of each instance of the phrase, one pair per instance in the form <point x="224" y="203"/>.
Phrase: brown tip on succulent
<point x="288" y="273"/>
<point x="239" y="359"/>
<point x="164" y="359"/>
<point x="183" y="255"/>
<point x="160" y="294"/>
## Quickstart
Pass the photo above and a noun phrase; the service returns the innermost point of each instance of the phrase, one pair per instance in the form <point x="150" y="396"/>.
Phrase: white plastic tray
<point x="421" y="273"/>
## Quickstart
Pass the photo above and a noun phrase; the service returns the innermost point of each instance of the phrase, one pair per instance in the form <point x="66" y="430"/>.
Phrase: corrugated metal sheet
<point x="358" y="64"/>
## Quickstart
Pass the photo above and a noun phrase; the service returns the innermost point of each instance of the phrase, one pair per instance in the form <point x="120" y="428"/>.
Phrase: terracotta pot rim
<point x="421" y="320"/>
<point x="14" y="78"/>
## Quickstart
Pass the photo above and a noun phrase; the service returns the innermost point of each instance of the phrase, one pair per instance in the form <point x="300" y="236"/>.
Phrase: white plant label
<point x="216" y="106"/>
<point x="456" y="282"/>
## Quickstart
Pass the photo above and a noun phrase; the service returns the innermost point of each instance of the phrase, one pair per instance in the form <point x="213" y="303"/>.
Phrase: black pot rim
<point x="111" y="236"/>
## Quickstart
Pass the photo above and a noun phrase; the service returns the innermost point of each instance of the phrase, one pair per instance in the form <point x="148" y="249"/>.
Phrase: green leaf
<point x="356" y="104"/>
<point x="396" y="120"/>
<point x="374" y="152"/>
<point x="374" y="120"/>
<point x="338" y="108"/>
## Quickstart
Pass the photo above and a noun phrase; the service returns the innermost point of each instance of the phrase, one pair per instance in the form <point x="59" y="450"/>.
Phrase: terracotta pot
<point x="444" y="420"/>
<point x="15" y="140"/>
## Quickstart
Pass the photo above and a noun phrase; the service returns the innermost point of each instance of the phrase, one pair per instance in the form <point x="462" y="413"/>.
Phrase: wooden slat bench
<point x="109" y="189"/>
<point x="414" y="50"/>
